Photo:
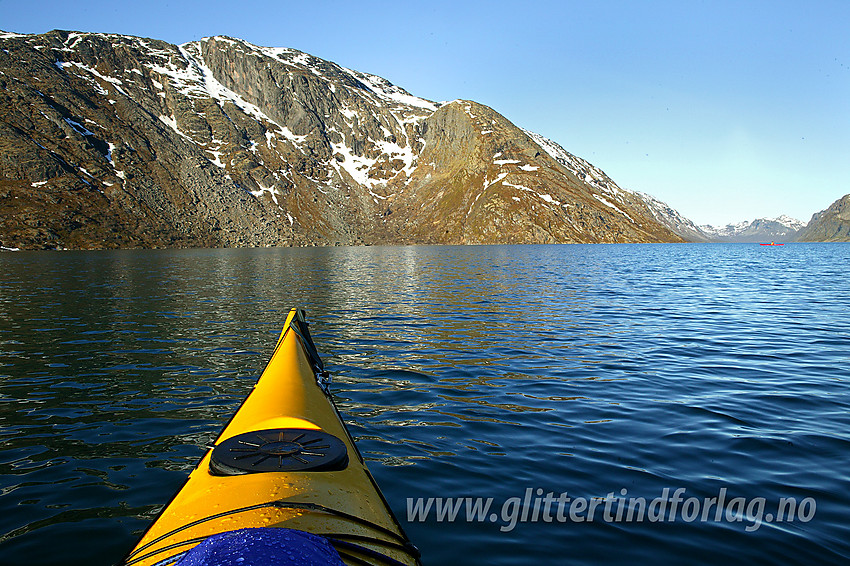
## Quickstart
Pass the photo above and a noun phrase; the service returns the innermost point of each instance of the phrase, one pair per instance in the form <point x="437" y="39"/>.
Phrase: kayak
<point x="283" y="478"/>
<point x="772" y="244"/>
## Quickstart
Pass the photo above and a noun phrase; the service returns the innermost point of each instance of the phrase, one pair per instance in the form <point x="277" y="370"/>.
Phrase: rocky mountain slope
<point x="830" y="225"/>
<point x="670" y="218"/>
<point x="117" y="141"/>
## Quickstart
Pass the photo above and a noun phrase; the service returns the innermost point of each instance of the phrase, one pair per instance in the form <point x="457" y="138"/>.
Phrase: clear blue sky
<point x="727" y="111"/>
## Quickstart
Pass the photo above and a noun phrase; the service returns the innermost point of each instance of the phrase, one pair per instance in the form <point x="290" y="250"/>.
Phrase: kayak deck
<point x="284" y="460"/>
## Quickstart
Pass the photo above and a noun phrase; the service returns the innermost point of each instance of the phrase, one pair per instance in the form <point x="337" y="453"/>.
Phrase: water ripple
<point x="479" y="371"/>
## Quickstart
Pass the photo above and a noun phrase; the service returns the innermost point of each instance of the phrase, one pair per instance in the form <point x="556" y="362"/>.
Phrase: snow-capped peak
<point x="792" y="223"/>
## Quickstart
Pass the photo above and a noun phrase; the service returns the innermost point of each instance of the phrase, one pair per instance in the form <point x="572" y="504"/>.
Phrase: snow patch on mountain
<point x="585" y="171"/>
<point x="390" y="92"/>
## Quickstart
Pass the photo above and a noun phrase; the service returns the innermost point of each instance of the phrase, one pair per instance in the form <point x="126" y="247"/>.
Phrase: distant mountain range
<point x="783" y="228"/>
<point x="116" y="141"/>
<point x="830" y="225"/>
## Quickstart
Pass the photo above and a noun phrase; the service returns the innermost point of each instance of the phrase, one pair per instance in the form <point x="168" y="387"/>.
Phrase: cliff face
<point x="89" y="158"/>
<point x="116" y="141"/>
<point x="830" y="225"/>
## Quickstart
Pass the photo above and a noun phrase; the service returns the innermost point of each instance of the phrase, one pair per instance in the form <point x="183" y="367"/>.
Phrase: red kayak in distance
<point x="772" y="244"/>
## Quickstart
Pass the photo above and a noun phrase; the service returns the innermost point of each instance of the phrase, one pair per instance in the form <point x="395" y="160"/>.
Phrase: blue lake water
<point x="608" y="373"/>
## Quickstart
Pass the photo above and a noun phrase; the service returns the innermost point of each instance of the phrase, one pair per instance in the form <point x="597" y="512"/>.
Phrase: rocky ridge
<point x="669" y="217"/>
<point x="118" y="141"/>
<point x="830" y="225"/>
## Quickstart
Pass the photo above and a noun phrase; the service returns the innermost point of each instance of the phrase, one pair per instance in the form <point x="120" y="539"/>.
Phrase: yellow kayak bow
<point x="284" y="461"/>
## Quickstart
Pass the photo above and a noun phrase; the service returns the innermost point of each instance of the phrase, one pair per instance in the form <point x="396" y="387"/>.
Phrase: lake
<point x="581" y="404"/>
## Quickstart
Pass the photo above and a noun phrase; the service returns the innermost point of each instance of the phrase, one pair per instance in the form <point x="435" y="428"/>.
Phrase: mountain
<point x="670" y="218"/>
<point x="760" y="230"/>
<point x="830" y="225"/>
<point x="117" y="141"/>
<point x="782" y="228"/>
